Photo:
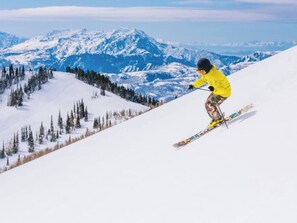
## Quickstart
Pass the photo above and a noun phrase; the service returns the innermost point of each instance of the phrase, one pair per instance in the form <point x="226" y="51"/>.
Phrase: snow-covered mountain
<point x="129" y="56"/>
<point x="121" y="50"/>
<point x="131" y="173"/>
<point x="8" y="40"/>
<point x="246" y="61"/>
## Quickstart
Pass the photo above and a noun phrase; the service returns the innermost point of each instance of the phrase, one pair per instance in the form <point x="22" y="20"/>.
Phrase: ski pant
<point x="211" y="108"/>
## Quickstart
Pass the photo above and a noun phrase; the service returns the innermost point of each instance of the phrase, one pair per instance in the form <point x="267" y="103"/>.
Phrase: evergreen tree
<point x="53" y="137"/>
<point x="74" y="108"/>
<point x="60" y="121"/>
<point x="82" y="109"/>
<point x="68" y="124"/>
<point x="23" y="135"/>
<point x="102" y="92"/>
<point x="23" y="73"/>
<point x="26" y="133"/>
<point x="17" y="140"/>
<point x="41" y="134"/>
<point x="99" y="123"/>
<point x="86" y="115"/>
<point x="11" y="70"/>
<point x="15" y="146"/>
<point x="3" y="72"/>
<point x="71" y="119"/>
<point x="57" y="135"/>
<point x="77" y="124"/>
<point x="96" y="123"/>
<point x="30" y="142"/>
<point x="52" y="125"/>
<point x="2" y="152"/>
<point x="20" y="97"/>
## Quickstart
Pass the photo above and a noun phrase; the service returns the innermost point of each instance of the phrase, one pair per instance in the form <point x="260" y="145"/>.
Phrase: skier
<point x="218" y="85"/>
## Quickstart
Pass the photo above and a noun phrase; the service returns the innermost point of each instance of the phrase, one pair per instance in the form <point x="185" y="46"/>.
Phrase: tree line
<point x="16" y="96"/>
<point x="62" y="127"/>
<point x="98" y="80"/>
<point x="51" y="134"/>
<point x="10" y="76"/>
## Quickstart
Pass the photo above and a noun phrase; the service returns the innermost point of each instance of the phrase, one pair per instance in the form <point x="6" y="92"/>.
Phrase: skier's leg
<point x="211" y="108"/>
<point x="218" y="100"/>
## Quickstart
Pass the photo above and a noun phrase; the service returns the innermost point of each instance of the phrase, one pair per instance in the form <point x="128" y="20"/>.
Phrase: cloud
<point x="132" y="14"/>
<point x="185" y="2"/>
<point x="273" y="2"/>
<point x="213" y="2"/>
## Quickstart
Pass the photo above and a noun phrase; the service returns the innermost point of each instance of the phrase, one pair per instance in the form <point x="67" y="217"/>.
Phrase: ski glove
<point x="211" y="88"/>
<point x="190" y="87"/>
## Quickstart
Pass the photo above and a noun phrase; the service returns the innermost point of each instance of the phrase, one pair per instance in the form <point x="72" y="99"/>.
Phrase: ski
<point x="208" y="129"/>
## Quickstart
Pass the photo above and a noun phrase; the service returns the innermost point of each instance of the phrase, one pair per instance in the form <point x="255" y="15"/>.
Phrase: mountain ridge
<point x="122" y="52"/>
<point x="121" y="43"/>
<point x="8" y="40"/>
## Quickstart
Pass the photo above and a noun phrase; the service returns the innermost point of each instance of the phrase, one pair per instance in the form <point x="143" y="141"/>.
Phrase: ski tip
<point x="248" y="107"/>
<point x="178" y="145"/>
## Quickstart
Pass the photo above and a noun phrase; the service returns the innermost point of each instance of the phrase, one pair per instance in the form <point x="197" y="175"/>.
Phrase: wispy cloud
<point x="133" y="14"/>
<point x="188" y="2"/>
<point x="273" y="2"/>
<point x="214" y="2"/>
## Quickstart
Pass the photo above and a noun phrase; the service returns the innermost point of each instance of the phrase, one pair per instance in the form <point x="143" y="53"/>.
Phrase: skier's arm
<point x="198" y="83"/>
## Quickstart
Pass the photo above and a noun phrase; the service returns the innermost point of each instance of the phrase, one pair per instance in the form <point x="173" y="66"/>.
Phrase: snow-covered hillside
<point x="170" y="81"/>
<point x="131" y="173"/>
<point x="60" y="94"/>
<point x="165" y="83"/>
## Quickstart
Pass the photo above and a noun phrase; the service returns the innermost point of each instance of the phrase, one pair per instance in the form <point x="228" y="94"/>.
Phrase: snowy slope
<point x="59" y="94"/>
<point x="131" y="173"/>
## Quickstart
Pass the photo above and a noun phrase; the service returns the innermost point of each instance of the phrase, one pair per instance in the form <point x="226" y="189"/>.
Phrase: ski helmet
<point x="204" y="64"/>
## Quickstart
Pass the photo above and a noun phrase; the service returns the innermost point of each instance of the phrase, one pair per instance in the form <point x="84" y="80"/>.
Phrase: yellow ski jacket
<point x="216" y="79"/>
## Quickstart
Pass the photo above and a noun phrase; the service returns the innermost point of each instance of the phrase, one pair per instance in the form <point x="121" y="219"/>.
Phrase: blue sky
<point x="186" y="21"/>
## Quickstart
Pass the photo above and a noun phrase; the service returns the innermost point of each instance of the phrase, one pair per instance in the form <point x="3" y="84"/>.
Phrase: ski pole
<point x="185" y="91"/>
<point x="202" y="89"/>
<point x="181" y="94"/>
<point x="220" y="111"/>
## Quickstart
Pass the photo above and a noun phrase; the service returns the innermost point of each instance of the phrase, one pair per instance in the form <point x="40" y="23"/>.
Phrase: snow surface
<point x="131" y="173"/>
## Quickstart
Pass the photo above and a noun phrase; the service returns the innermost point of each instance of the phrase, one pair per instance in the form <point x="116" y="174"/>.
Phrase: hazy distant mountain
<point x="8" y="40"/>
<point x="243" y="48"/>
<point x="245" y="61"/>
